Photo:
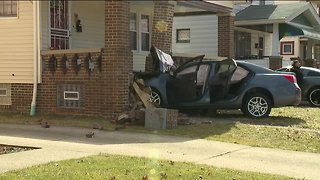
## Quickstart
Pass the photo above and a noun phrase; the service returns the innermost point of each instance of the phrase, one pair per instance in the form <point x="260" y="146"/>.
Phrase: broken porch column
<point x="161" y="29"/>
<point x="117" y="61"/>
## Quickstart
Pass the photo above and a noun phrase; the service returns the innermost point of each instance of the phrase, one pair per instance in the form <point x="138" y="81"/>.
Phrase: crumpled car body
<point x="221" y="84"/>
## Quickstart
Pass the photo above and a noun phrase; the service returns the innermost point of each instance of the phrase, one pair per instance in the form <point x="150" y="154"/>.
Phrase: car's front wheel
<point x="155" y="97"/>
<point x="256" y="105"/>
<point x="314" y="97"/>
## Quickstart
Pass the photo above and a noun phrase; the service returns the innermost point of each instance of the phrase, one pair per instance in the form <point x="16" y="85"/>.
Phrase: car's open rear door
<point x="219" y="83"/>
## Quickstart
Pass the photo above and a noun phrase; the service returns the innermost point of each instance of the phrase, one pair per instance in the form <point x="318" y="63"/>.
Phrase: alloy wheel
<point x="155" y="97"/>
<point x="258" y="106"/>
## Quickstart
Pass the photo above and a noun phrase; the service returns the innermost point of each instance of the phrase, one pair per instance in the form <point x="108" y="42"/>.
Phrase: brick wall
<point x="161" y="29"/>
<point x="90" y="81"/>
<point x="21" y="97"/>
<point x="226" y="36"/>
<point x="117" y="63"/>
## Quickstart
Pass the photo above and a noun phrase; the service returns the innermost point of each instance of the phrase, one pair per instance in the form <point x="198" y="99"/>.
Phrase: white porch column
<point x="275" y="40"/>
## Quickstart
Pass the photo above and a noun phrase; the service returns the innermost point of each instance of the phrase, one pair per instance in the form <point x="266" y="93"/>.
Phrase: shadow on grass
<point x="233" y="116"/>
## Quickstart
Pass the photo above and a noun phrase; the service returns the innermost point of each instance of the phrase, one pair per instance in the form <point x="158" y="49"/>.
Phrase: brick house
<point x="77" y="57"/>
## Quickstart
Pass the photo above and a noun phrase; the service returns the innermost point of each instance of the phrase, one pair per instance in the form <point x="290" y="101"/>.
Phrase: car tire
<point x="155" y="97"/>
<point x="314" y="97"/>
<point x="256" y="105"/>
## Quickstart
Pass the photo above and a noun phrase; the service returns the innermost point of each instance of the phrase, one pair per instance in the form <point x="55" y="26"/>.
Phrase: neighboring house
<point x="277" y="28"/>
<point x="77" y="57"/>
<point x="198" y="32"/>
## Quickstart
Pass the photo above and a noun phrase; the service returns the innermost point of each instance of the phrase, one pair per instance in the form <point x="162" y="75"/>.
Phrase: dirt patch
<point x="6" y="149"/>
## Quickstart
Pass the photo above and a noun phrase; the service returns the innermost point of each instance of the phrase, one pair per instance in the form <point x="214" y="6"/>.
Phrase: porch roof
<point x="206" y="5"/>
<point x="269" y="12"/>
<point x="295" y="30"/>
<point x="295" y="19"/>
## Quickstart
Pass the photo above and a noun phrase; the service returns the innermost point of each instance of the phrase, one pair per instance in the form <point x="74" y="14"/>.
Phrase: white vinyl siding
<point x="139" y="61"/>
<point x="16" y="46"/>
<point x="203" y="34"/>
<point x="91" y="14"/>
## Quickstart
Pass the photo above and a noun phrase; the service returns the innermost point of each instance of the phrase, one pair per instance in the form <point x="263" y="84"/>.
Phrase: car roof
<point x="310" y="68"/>
<point x="254" y="67"/>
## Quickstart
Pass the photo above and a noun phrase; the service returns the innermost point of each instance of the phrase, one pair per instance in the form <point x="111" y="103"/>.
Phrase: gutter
<point x="258" y="22"/>
<point x="207" y="6"/>
<point x="36" y="54"/>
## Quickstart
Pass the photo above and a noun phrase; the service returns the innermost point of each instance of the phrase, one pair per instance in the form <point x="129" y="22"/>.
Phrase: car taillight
<point x="290" y="78"/>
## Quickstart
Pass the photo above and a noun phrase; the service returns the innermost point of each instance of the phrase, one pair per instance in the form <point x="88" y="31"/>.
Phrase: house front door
<point x="59" y="24"/>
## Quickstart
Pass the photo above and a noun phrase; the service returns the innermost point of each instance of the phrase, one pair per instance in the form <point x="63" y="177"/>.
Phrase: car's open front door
<point x="182" y="86"/>
<point x="219" y="82"/>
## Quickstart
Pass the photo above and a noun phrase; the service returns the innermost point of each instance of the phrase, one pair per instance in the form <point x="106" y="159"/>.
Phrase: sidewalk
<point x="60" y="143"/>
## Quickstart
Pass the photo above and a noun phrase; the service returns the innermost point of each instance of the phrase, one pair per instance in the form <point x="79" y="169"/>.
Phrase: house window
<point x="139" y="32"/>
<point x="133" y="31"/>
<point x="8" y="8"/>
<point x="145" y="33"/>
<point x="287" y="48"/>
<point x="183" y="35"/>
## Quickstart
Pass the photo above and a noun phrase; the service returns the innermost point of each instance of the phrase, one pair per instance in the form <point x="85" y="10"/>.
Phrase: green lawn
<point x="123" y="167"/>
<point x="289" y="128"/>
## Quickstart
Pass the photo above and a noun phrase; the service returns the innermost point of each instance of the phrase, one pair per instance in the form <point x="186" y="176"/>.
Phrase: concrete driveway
<point x="60" y="143"/>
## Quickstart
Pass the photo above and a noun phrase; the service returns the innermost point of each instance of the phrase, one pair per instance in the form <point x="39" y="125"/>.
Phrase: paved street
<point x="60" y="143"/>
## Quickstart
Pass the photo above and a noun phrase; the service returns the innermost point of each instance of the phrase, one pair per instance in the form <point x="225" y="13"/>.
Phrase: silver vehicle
<point x="226" y="84"/>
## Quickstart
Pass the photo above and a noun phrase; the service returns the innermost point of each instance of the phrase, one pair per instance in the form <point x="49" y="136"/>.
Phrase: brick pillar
<point x="226" y="36"/>
<point x="117" y="63"/>
<point x="161" y="28"/>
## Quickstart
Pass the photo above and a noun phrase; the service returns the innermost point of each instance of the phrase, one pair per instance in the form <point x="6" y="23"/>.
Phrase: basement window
<point x="69" y="95"/>
<point x="3" y="92"/>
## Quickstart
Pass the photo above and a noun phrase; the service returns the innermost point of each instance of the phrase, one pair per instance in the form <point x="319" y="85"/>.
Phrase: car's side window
<point x="187" y="70"/>
<point x="202" y="74"/>
<point x="313" y="73"/>
<point x="238" y="75"/>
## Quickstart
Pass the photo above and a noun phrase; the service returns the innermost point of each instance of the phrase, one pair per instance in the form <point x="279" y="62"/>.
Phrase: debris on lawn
<point x="90" y="135"/>
<point x="44" y="124"/>
<point x="98" y="127"/>
<point x="139" y="97"/>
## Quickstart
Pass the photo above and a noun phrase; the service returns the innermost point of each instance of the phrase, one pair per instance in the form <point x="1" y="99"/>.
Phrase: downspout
<point x="36" y="40"/>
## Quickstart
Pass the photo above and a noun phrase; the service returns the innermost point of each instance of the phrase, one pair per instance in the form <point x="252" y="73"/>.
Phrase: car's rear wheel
<point x="314" y="97"/>
<point x="155" y="97"/>
<point x="256" y="105"/>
